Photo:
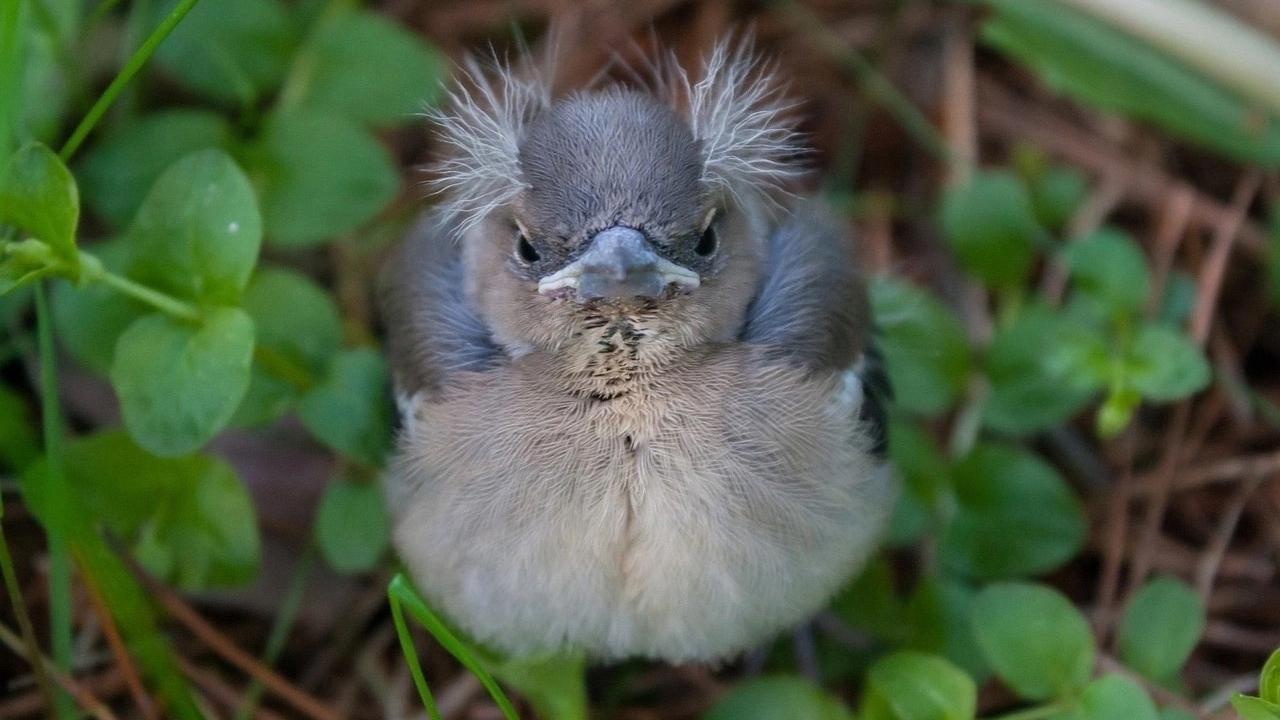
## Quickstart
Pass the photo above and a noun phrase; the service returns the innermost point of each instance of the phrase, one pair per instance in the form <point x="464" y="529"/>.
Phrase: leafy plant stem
<point x="24" y="620"/>
<point x="59" y="557"/>
<point x="165" y="303"/>
<point x="131" y="68"/>
<point x="280" y="628"/>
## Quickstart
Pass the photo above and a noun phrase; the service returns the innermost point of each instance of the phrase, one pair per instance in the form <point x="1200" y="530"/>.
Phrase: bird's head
<point x="646" y="206"/>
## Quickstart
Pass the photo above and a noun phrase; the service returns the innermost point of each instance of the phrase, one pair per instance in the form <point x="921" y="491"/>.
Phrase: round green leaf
<point x="1165" y="365"/>
<point x="1269" y="683"/>
<point x="352" y="529"/>
<point x="1160" y="627"/>
<point x="319" y="176"/>
<point x="371" y="70"/>
<point x="990" y="225"/>
<point x="1005" y="492"/>
<point x="940" y="620"/>
<point x="39" y="196"/>
<point x="778" y="698"/>
<point x="1030" y="390"/>
<point x="1056" y="194"/>
<point x="179" y="383"/>
<point x="232" y="50"/>
<point x="1109" y="267"/>
<point x="1034" y="638"/>
<point x="198" y="232"/>
<point x="1252" y="708"/>
<point x="119" y="170"/>
<point x="926" y="352"/>
<point x="350" y="410"/>
<point x="916" y="686"/>
<point x="1113" y="697"/>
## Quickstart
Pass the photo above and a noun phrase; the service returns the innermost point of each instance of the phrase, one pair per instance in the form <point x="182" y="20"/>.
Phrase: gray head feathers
<point x="736" y="111"/>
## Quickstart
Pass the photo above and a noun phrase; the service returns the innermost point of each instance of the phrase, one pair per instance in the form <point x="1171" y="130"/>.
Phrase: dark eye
<point x="708" y="242"/>
<point x="525" y="249"/>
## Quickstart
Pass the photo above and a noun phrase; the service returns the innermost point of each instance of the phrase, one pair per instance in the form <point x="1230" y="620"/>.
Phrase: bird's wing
<point x="431" y="329"/>
<point x="812" y="308"/>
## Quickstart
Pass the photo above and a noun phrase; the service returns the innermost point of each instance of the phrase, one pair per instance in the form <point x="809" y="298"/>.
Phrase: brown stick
<point x="1215" y="266"/>
<point x="128" y="670"/>
<point x="83" y="697"/>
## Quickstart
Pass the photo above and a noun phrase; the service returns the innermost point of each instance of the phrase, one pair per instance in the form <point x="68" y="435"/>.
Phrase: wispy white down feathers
<point x="737" y="111"/>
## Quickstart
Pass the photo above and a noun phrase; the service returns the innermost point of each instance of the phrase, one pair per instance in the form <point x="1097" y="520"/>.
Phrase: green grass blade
<point x="280" y="628"/>
<point x="131" y="68"/>
<point x="11" y="67"/>
<point x="402" y="593"/>
<point x="59" y="500"/>
<point x="411" y="652"/>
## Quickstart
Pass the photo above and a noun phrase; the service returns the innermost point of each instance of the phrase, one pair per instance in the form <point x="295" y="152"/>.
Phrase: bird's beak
<point x="619" y="263"/>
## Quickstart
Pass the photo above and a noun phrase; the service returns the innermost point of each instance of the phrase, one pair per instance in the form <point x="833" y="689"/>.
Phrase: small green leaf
<point x="350" y="410"/>
<point x="39" y="196"/>
<point x="940" y="620"/>
<point x="995" y="485"/>
<point x="870" y="602"/>
<point x="916" y="686"/>
<point x="778" y="698"/>
<point x="1160" y="627"/>
<point x="1030" y="392"/>
<point x="1109" y="267"/>
<point x="198" y="232"/>
<point x="298" y="330"/>
<point x="120" y="169"/>
<point x="1112" y="697"/>
<point x="1252" y="708"/>
<point x="1035" y="639"/>
<point x="371" y="70"/>
<point x="1165" y="365"/>
<point x="232" y="51"/>
<point x="1179" y="298"/>
<point x="1269" y="683"/>
<point x="319" y="177"/>
<point x="91" y="318"/>
<point x="352" y="529"/>
<point x="925" y="349"/>
<point x="1057" y="194"/>
<point x="990" y="225"/>
<point x="925" y="475"/>
<point x="179" y="383"/>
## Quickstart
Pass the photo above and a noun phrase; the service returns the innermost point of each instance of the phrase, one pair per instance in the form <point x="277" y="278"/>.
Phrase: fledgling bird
<point x="638" y="389"/>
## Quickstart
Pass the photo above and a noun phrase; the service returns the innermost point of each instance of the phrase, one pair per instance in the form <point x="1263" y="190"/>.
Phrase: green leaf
<point x="916" y="686"/>
<point x="870" y="602"/>
<point x="778" y="698"/>
<point x="119" y="170"/>
<point x="995" y="485"/>
<point x="319" y="177"/>
<point x="298" y="331"/>
<point x="91" y="318"/>
<point x="1165" y="365"/>
<point x="198" y="232"/>
<point x="925" y="475"/>
<point x="232" y="51"/>
<point x="925" y="349"/>
<point x="1179" y="298"/>
<point x="990" y="225"/>
<point x="1252" y="708"/>
<point x="940" y="620"/>
<point x="1036" y="640"/>
<point x="18" y="442"/>
<point x="179" y="383"/>
<point x="1030" y="392"/>
<point x="39" y="196"/>
<point x="369" y="69"/>
<point x="1269" y="682"/>
<point x="1160" y="627"/>
<point x="1108" y="69"/>
<point x="350" y="410"/>
<point x="352" y="529"/>
<point x="1112" y="697"/>
<point x="189" y="519"/>
<point x="1109" y="267"/>
<point x="1057" y="194"/>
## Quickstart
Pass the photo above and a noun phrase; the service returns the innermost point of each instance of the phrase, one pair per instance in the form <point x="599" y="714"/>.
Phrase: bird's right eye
<point x="525" y="249"/>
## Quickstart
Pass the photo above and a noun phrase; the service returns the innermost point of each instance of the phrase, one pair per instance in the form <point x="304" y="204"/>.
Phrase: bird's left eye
<point x="525" y="249"/>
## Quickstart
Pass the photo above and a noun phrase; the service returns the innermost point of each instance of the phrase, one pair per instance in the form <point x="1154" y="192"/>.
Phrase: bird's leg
<point x="806" y="652"/>
<point x="403" y="597"/>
